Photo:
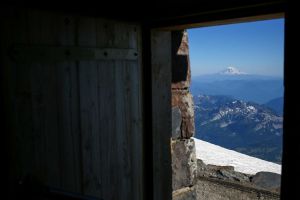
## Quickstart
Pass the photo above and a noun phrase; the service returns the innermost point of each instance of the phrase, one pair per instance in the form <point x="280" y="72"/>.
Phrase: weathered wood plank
<point x="91" y="159"/>
<point x="54" y="54"/>
<point x="126" y="117"/>
<point x="117" y="152"/>
<point x="52" y="149"/>
<point x="68" y="108"/>
<point x="43" y="30"/>
<point x="107" y="112"/>
<point x="161" y="117"/>
<point x="136" y="123"/>
<point x="123" y="130"/>
<point x="128" y="72"/>
<point x="89" y="111"/>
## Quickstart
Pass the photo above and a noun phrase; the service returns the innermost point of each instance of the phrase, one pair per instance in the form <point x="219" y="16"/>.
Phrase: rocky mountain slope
<point x="276" y="104"/>
<point x="246" y="127"/>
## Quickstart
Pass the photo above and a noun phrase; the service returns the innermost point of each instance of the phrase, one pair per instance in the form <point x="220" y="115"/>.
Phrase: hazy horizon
<point x="217" y="72"/>
<point x="253" y="48"/>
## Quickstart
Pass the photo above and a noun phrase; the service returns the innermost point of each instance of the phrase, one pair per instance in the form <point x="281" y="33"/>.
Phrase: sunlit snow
<point x="216" y="155"/>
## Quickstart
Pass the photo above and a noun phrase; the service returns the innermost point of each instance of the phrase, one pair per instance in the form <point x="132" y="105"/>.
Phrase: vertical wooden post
<point x="161" y="117"/>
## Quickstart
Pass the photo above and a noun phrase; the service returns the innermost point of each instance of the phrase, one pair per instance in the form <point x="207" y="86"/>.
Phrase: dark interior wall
<point x="291" y="148"/>
<point x="164" y="13"/>
<point x="181" y="71"/>
<point x="74" y="105"/>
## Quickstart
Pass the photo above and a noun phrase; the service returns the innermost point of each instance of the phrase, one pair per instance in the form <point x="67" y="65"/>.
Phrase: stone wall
<point x="184" y="165"/>
<point x="182" y="100"/>
<point x="207" y="188"/>
<point x="186" y="193"/>
<point x="217" y="183"/>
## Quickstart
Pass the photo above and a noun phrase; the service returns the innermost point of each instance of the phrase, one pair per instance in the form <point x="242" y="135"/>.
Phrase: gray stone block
<point x="184" y="163"/>
<point x="187" y="193"/>
<point x="267" y="180"/>
<point x="176" y="122"/>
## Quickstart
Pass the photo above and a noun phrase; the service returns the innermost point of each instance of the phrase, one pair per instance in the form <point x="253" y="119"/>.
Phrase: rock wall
<point x="182" y="100"/>
<point x="187" y="193"/>
<point x="184" y="165"/>
<point x="221" y="183"/>
<point x="211" y="189"/>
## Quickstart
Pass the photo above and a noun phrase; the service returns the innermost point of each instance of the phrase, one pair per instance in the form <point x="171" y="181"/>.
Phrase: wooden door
<point x="74" y="91"/>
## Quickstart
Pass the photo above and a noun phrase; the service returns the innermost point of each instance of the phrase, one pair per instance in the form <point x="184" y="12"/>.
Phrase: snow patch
<point x="232" y="71"/>
<point x="277" y="126"/>
<point x="251" y="109"/>
<point x="225" y="124"/>
<point x="216" y="155"/>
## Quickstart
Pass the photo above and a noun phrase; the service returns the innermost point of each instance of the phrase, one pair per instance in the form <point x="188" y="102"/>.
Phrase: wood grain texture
<point x="118" y="111"/>
<point x="78" y="123"/>
<point x="89" y="110"/>
<point x="161" y="98"/>
<point x="68" y="101"/>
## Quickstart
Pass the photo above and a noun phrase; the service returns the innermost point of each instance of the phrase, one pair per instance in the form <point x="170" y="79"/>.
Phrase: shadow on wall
<point x="180" y="57"/>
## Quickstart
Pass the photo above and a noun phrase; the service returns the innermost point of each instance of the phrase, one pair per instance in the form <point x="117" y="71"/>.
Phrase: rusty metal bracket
<point x="59" y="54"/>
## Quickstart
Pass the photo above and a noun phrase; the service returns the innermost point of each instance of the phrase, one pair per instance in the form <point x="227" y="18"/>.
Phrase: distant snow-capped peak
<point x="232" y="71"/>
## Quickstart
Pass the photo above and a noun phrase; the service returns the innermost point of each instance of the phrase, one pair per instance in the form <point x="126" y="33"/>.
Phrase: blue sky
<point x="254" y="47"/>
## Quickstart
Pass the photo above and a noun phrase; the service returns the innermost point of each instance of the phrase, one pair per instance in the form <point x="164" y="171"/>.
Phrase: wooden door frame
<point x="221" y="17"/>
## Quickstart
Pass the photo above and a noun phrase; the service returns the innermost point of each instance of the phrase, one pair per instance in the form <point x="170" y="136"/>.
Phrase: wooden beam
<point x="208" y="23"/>
<point x="161" y="114"/>
<point x="33" y="54"/>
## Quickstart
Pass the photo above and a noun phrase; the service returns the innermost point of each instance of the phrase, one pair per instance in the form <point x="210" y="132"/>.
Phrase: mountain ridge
<point x="276" y="104"/>
<point x="246" y="127"/>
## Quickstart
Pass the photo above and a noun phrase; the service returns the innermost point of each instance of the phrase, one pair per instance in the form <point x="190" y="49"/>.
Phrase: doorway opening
<point x="233" y="82"/>
<point x="237" y="84"/>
